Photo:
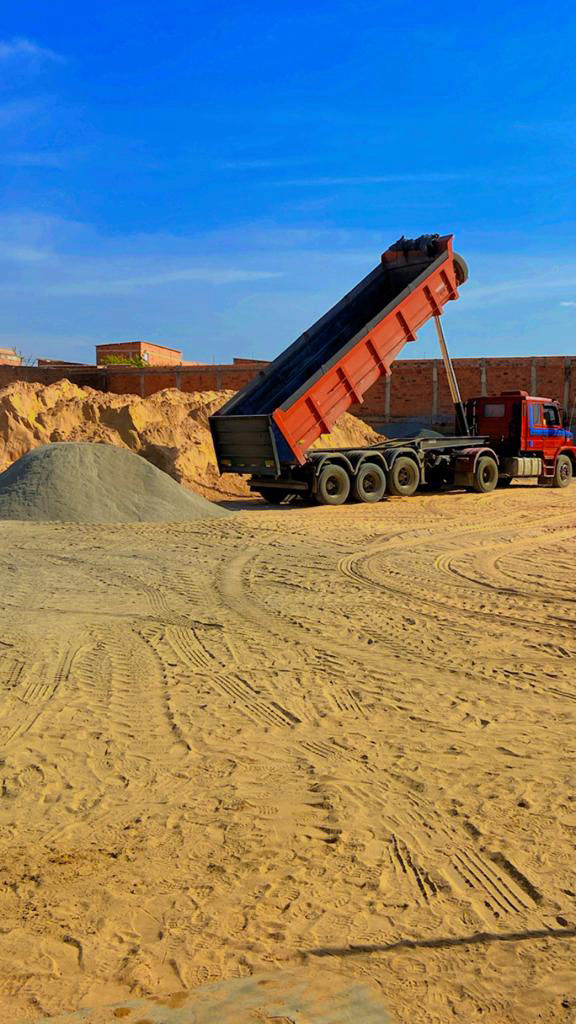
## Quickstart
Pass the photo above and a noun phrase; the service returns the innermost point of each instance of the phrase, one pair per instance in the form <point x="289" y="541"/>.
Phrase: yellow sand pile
<point x="170" y="428"/>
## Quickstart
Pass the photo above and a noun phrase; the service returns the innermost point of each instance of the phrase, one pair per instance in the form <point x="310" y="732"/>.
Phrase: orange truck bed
<point x="275" y="419"/>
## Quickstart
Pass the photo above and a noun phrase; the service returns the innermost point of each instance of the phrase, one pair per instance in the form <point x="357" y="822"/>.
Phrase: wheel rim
<point x="564" y="471"/>
<point x="404" y="477"/>
<point x="370" y="483"/>
<point x="486" y="475"/>
<point x="332" y="485"/>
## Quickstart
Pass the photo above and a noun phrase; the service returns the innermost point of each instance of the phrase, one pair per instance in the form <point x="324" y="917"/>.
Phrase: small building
<point x="148" y="351"/>
<point x="10" y="357"/>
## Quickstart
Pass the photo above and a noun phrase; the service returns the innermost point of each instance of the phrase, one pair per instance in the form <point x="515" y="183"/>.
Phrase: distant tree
<point x="124" y="361"/>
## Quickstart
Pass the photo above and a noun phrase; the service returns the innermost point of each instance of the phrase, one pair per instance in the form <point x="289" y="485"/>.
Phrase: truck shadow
<point x="257" y="505"/>
<point x="477" y="938"/>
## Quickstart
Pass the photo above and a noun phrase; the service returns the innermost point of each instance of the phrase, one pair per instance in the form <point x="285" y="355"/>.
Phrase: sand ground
<point x="344" y="736"/>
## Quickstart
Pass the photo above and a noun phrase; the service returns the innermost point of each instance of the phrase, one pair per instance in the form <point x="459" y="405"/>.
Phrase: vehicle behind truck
<point x="266" y="431"/>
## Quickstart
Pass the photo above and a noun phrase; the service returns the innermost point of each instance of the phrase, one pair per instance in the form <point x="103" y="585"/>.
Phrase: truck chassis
<point x="401" y="467"/>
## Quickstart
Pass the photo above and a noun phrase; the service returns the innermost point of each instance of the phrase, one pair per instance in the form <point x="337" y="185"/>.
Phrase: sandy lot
<point x="340" y="737"/>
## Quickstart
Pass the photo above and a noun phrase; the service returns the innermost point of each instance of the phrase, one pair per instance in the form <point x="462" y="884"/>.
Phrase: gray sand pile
<point x="95" y="483"/>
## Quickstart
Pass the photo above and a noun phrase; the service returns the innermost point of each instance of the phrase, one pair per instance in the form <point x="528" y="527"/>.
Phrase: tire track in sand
<point x="32" y="696"/>
<point x="421" y="832"/>
<point x="129" y="699"/>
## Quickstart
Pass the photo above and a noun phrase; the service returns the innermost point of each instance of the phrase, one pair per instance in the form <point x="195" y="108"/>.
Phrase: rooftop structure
<point x="148" y="351"/>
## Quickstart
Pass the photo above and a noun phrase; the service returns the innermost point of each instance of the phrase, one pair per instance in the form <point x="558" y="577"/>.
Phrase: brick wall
<point x="416" y="391"/>
<point x="84" y="376"/>
<point x="144" y="382"/>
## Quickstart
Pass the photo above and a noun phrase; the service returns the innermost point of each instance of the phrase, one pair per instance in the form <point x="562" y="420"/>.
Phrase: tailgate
<point x="245" y="444"/>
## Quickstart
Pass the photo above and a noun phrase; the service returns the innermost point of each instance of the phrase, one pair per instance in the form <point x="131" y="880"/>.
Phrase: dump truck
<point x="267" y="429"/>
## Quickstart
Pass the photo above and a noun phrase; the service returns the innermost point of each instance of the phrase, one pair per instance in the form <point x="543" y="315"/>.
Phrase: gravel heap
<point x="95" y="483"/>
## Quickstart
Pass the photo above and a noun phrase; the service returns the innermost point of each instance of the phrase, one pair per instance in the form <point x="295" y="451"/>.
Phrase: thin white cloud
<point x="11" y="49"/>
<point x="409" y="178"/>
<point x="540" y="280"/>
<point x="120" y="286"/>
<point x="569" y="304"/>
<point x="26" y="238"/>
<point x="22" y="253"/>
<point x="376" y="179"/>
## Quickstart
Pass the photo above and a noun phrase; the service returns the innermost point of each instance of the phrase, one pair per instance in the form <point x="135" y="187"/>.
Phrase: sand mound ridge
<point x="95" y="483"/>
<point x="170" y="429"/>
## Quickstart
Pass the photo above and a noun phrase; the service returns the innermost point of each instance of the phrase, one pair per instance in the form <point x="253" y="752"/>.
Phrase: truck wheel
<point x="333" y="485"/>
<point x="563" y="471"/>
<point x="485" y="475"/>
<point x="369" y="484"/>
<point x="273" y="495"/>
<point x="403" y="478"/>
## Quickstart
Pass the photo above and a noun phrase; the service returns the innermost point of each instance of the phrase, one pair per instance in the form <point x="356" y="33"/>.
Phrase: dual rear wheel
<point x="334" y="485"/>
<point x="369" y="484"/>
<point x="404" y="477"/>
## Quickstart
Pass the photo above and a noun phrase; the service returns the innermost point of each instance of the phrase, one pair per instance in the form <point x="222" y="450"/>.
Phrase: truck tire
<point x="563" y="471"/>
<point x="485" y="475"/>
<point x="369" y="484"/>
<point x="273" y="495"/>
<point x="333" y="485"/>
<point x="403" y="477"/>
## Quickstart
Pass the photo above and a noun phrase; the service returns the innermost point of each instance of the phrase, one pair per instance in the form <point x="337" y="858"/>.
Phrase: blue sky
<point x="215" y="176"/>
